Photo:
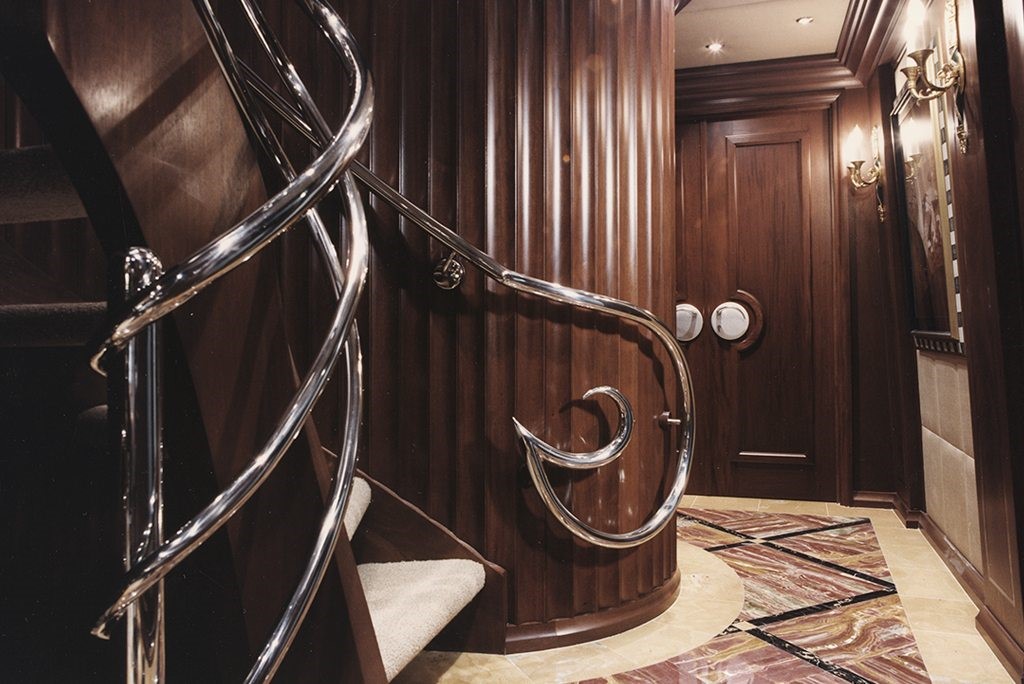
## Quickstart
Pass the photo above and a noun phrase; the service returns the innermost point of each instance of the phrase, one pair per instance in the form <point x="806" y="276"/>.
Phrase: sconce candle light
<point x="948" y="78"/>
<point x="859" y="177"/>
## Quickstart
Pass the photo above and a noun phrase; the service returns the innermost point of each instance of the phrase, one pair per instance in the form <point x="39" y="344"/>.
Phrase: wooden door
<point x="758" y="229"/>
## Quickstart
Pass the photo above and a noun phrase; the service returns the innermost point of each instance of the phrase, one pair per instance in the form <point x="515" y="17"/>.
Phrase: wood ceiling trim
<point x="735" y="88"/>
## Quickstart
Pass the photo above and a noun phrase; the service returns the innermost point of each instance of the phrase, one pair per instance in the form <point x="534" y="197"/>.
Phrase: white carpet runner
<point x="412" y="601"/>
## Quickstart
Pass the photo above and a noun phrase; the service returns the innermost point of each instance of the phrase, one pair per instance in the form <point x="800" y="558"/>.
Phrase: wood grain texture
<point x="885" y="408"/>
<point x="986" y="184"/>
<point x="758" y="217"/>
<point x="541" y="131"/>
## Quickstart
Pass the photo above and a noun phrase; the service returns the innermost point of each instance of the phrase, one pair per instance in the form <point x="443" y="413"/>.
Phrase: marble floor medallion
<point x="819" y="605"/>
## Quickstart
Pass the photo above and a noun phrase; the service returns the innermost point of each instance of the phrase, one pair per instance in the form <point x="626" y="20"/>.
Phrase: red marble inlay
<point x="761" y="525"/>
<point x="852" y="547"/>
<point x="702" y="536"/>
<point x="871" y="638"/>
<point x="778" y="582"/>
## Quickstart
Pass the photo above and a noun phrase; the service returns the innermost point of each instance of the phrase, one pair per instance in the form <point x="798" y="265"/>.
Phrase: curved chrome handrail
<point x="537" y="449"/>
<point x="224" y="254"/>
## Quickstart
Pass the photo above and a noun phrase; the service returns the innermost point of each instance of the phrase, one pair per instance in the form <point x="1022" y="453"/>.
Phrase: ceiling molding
<point x="741" y="88"/>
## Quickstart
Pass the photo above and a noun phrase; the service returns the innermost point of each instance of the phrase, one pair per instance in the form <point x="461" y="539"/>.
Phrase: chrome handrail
<point x="536" y="449"/>
<point x="211" y="262"/>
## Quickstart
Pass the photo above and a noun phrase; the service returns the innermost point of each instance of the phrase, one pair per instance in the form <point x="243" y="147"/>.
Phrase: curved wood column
<point x="543" y="131"/>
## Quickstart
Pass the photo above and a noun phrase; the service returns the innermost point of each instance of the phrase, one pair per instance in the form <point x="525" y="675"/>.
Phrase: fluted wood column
<point x="542" y="131"/>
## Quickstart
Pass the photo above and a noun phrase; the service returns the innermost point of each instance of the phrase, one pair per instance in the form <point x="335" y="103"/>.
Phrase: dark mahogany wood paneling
<point x="541" y="131"/>
<point x="986" y="187"/>
<point x="758" y="218"/>
<point x="885" y="410"/>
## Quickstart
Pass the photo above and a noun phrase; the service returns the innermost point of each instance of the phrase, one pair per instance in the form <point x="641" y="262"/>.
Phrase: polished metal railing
<point x="449" y="274"/>
<point x="163" y="293"/>
<point x="179" y="284"/>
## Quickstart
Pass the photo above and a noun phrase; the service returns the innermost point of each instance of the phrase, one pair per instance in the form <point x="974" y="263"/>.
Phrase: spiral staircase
<point x="165" y="334"/>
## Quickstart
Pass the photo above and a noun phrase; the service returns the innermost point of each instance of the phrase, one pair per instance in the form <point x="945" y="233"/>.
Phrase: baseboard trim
<point x="910" y="517"/>
<point x="963" y="570"/>
<point x="1009" y="652"/>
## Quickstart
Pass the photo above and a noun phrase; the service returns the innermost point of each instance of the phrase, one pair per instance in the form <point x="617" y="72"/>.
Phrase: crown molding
<point x="750" y="86"/>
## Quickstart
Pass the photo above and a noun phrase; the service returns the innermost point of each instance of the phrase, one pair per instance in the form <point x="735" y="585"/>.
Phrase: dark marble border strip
<point x="821" y="607"/>
<point x="809" y="657"/>
<point x="827" y="528"/>
<point x="834" y="566"/>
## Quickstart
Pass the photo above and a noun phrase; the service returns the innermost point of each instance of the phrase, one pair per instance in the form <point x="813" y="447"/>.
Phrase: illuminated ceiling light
<point x="804" y="21"/>
<point x="714" y="47"/>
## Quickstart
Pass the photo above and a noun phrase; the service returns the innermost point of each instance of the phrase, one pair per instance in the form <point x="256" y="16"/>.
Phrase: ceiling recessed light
<point x="804" y="21"/>
<point x="714" y="47"/>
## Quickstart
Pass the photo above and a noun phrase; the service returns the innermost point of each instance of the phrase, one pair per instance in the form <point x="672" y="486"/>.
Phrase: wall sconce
<point x="949" y="77"/>
<point x="860" y="178"/>
<point x="912" y="137"/>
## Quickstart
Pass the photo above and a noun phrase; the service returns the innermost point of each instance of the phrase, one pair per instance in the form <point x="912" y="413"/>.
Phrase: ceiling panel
<point x="754" y="30"/>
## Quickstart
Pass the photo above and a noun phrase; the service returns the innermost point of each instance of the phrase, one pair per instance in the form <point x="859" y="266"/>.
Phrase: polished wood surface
<point x="541" y="131"/>
<point x="986" y="187"/>
<point x="758" y="217"/>
<point x="148" y="132"/>
<point x="887" y="461"/>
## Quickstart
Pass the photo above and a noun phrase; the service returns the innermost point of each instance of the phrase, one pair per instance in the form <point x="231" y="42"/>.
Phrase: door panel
<point x="759" y="231"/>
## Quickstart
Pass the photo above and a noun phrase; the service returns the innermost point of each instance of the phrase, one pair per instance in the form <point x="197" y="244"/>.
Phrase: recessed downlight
<point x="714" y="47"/>
<point x="804" y="21"/>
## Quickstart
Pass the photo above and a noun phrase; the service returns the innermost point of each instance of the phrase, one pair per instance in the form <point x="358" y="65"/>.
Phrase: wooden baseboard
<point x="1009" y="652"/>
<point x="1006" y="648"/>
<point x="569" y="631"/>
<point x="911" y="517"/>
<point x="963" y="570"/>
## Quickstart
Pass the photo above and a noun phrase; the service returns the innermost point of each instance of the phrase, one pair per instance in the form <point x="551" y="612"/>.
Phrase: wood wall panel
<point x="541" y="130"/>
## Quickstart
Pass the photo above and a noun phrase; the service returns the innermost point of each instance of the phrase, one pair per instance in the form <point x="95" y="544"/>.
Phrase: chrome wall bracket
<point x="449" y="272"/>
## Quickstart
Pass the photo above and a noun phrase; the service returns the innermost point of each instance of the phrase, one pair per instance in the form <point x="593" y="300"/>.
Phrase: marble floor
<point x="775" y="591"/>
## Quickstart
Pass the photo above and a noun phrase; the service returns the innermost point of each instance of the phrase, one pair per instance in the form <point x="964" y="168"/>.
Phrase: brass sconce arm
<point x="949" y="75"/>
<point x="862" y="179"/>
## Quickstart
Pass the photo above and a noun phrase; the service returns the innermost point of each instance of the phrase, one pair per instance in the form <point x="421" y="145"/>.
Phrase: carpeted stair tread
<point x="412" y="601"/>
<point x="64" y="324"/>
<point x="358" y="502"/>
<point x="34" y="187"/>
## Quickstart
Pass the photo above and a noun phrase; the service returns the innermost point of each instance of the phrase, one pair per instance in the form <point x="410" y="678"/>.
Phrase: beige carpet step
<point x="358" y="502"/>
<point x="411" y="602"/>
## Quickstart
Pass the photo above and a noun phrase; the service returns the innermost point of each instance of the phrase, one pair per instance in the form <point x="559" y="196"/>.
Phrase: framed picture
<point x="923" y="146"/>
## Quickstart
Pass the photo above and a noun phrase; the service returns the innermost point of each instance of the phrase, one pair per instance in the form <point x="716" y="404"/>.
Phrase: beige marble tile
<point x="927" y="391"/>
<point x="960" y="658"/>
<point x="965" y="411"/>
<point x="973" y="516"/>
<point x="433" y="666"/>
<point x="786" y="506"/>
<point x="948" y="390"/>
<point x="571" y="663"/>
<point x="940" y="615"/>
<point x="926" y="583"/>
<point x="721" y="503"/>
<point x="880" y="517"/>
<point x="931" y="447"/>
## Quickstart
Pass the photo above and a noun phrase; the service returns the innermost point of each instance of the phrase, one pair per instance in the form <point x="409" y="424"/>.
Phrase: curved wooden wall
<point x="543" y="131"/>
